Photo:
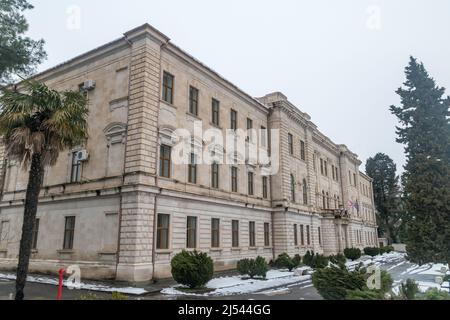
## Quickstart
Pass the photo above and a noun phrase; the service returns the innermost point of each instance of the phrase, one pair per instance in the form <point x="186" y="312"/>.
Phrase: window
<point x="295" y="235"/>
<point x="168" y="81"/>
<point x="215" y="112"/>
<point x="233" y="117"/>
<point x="263" y="141"/>
<point x="292" y="188"/>
<point x="234" y="179"/>
<point x="266" y="234"/>
<point x="302" y="235"/>
<point x="305" y="192"/>
<point x="265" y="187"/>
<point x="162" y="233"/>
<point x="215" y="233"/>
<point x="324" y="205"/>
<point x="69" y="230"/>
<point x="321" y="167"/>
<point x="34" y="237"/>
<point x="354" y="180"/>
<point x="250" y="183"/>
<point x="75" y="175"/>
<point x="191" y="232"/>
<point x="193" y="101"/>
<point x="325" y="166"/>
<point x="337" y="174"/>
<point x="215" y="175"/>
<point x="302" y="150"/>
<point x="192" y="168"/>
<point x="252" y="234"/>
<point x="328" y="201"/>
<point x="249" y="127"/>
<point x="314" y="162"/>
<point x="235" y="233"/>
<point x="308" y="235"/>
<point x="165" y="161"/>
<point x="349" y="177"/>
<point x="332" y="171"/>
<point x="320" y="236"/>
<point x="291" y="144"/>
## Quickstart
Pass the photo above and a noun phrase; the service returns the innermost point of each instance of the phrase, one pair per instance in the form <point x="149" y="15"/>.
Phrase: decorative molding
<point x="118" y="103"/>
<point x="116" y="132"/>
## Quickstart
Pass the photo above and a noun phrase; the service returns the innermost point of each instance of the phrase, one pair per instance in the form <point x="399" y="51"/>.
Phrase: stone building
<point x="120" y="208"/>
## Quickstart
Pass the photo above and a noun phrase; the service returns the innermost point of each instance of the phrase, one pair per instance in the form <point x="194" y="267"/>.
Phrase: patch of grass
<point x="196" y="290"/>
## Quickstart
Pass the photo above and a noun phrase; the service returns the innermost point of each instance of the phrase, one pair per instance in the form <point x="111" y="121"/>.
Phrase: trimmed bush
<point x="192" y="269"/>
<point x="371" y="251"/>
<point x="386" y="249"/>
<point x="408" y="290"/>
<point x="308" y="258"/>
<point x="435" y="294"/>
<point x="338" y="259"/>
<point x="334" y="283"/>
<point x="297" y="260"/>
<point x="319" y="261"/>
<point x="352" y="253"/>
<point x="253" y="267"/>
<point x="284" y="261"/>
<point x="363" y="295"/>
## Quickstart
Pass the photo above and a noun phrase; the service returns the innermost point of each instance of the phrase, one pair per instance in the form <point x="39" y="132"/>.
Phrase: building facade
<point x="120" y="207"/>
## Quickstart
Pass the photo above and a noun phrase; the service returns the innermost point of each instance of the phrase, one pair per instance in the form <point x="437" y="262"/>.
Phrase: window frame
<point x="191" y="231"/>
<point x="159" y="232"/>
<point x="194" y="95"/>
<point x="235" y="233"/>
<point x="215" y="233"/>
<point x="251" y="183"/>
<point x="165" y="161"/>
<point x="168" y="91"/>
<point x="215" y="110"/>
<point x="252" y="234"/>
<point x="69" y="232"/>
<point x="75" y="168"/>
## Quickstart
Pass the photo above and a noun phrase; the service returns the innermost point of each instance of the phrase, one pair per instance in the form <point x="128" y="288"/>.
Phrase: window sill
<point x="168" y="103"/>
<point x="65" y="251"/>
<point x="268" y="248"/>
<point x="253" y="248"/>
<point x="216" y="250"/>
<point x="215" y="126"/>
<point x="193" y="116"/>
<point x="236" y="249"/>
<point x="165" y="251"/>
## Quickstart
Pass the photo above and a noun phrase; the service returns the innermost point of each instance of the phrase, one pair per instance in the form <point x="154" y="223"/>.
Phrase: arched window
<point x="292" y="188"/>
<point x="305" y="192"/>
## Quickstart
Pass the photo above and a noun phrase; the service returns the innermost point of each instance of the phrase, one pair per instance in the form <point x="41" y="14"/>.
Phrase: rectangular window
<point x="349" y="177"/>
<point x="75" y="175"/>
<point x="235" y="233"/>
<point x="302" y="235"/>
<point x="337" y="174"/>
<point x="233" y="117"/>
<point x="35" y="234"/>
<point x="302" y="150"/>
<point x="266" y="234"/>
<point x="192" y="168"/>
<point x="215" y="112"/>
<point x="295" y="235"/>
<point x="265" y="187"/>
<point x="69" y="231"/>
<point x="291" y="144"/>
<point x="263" y="136"/>
<point x="308" y="235"/>
<point x="332" y="171"/>
<point x="165" y="157"/>
<point x="250" y="184"/>
<point x="320" y="236"/>
<point x="193" y="101"/>
<point x="249" y="127"/>
<point x="162" y="233"/>
<point x="325" y="167"/>
<point x="191" y="233"/>
<point x="215" y="233"/>
<point x="321" y="167"/>
<point x="252" y="234"/>
<point x="314" y="162"/>
<point x="215" y="175"/>
<point x="354" y="180"/>
<point x="234" y="179"/>
<point x="168" y="84"/>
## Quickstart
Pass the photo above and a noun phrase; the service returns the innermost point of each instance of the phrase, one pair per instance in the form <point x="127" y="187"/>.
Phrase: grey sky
<point x="339" y="61"/>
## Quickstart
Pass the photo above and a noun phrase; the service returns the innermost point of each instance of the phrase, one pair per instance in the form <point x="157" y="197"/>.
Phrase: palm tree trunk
<point x="36" y="175"/>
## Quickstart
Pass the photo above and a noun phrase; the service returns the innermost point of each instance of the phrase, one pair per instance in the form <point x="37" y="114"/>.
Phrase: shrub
<point x="338" y="259"/>
<point x="253" y="267"/>
<point x="352" y="253"/>
<point x="435" y="294"/>
<point x="319" y="261"/>
<point x="364" y="295"/>
<point x="118" y="296"/>
<point x="386" y="282"/>
<point x="297" y="260"/>
<point x="192" y="269"/>
<point x="284" y="261"/>
<point x="386" y="249"/>
<point x="371" y="251"/>
<point x="334" y="283"/>
<point x="408" y="290"/>
<point x="308" y="258"/>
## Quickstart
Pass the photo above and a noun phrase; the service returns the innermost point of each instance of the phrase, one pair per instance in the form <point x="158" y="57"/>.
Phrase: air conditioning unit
<point x="82" y="155"/>
<point x="89" y="85"/>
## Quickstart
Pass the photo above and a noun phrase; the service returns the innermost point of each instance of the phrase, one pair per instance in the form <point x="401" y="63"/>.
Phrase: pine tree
<point x="382" y="169"/>
<point x="425" y="132"/>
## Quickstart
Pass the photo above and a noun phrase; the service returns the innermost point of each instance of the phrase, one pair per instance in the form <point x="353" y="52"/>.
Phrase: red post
<point x="60" y="283"/>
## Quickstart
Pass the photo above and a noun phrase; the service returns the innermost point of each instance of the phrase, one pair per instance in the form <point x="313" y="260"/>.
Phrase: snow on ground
<point x="82" y="285"/>
<point x="234" y="285"/>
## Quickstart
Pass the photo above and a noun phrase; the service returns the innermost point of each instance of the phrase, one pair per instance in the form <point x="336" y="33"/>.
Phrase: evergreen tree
<point x="425" y="132"/>
<point x="18" y="54"/>
<point x="382" y="169"/>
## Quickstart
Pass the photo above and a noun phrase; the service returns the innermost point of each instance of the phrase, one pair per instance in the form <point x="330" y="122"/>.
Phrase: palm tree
<point x="36" y="123"/>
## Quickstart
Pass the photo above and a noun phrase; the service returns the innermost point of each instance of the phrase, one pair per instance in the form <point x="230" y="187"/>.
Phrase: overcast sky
<point x="339" y="61"/>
